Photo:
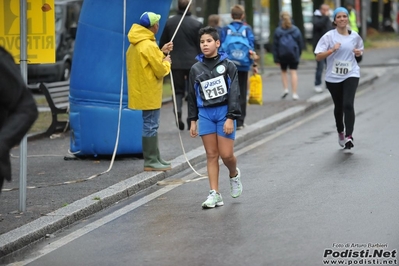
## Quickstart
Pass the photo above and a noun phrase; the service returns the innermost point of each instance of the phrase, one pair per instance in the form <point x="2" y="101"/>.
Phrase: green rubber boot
<point x="150" y="154"/>
<point x="159" y="155"/>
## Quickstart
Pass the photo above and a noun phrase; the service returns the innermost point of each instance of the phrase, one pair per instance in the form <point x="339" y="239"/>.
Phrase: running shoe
<point x="285" y="93"/>
<point x="341" y="139"/>
<point x="236" y="185"/>
<point x="214" y="200"/>
<point x="318" y="89"/>
<point x="349" y="143"/>
<point x="295" y="97"/>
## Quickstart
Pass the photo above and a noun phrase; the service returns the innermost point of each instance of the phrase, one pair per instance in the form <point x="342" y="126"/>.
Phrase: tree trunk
<point x="274" y="12"/>
<point x="212" y="7"/>
<point x="297" y="16"/>
<point x="249" y="12"/>
<point x="374" y="7"/>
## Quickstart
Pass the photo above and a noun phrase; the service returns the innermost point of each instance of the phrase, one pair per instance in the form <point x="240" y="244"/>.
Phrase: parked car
<point x="261" y="28"/>
<point x="66" y="20"/>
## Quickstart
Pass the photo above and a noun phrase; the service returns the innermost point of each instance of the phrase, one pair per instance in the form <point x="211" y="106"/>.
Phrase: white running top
<point x="342" y="63"/>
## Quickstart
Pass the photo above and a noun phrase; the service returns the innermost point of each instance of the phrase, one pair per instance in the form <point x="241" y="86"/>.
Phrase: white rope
<point x="120" y="115"/>
<point x="174" y="94"/>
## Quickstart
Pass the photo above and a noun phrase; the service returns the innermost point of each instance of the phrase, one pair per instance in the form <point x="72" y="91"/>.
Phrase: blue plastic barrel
<point x="99" y="71"/>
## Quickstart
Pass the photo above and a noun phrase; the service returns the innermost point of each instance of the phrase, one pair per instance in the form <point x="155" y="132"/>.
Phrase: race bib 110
<point x="341" y="67"/>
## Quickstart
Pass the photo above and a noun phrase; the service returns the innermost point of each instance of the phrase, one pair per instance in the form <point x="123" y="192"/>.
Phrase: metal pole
<point x="262" y="49"/>
<point x="364" y="19"/>
<point x="24" y="142"/>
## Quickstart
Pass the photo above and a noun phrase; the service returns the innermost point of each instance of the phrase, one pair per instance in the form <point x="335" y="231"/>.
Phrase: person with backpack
<point x="287" y="50"/>
<point x="238" y="42"/>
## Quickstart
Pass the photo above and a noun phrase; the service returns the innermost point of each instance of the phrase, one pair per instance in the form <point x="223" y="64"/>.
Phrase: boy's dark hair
<point x="209" y="30"/>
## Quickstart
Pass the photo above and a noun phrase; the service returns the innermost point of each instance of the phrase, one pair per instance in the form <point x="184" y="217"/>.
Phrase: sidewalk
<point x="59" y="193"/>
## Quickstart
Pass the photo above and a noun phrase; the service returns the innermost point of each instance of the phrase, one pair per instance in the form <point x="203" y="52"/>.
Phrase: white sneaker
<point x="214" y="200"/>
<point x="318" y="89"/>
<point x="285" y="93"/>
<point x="295" y="96"/>
<point x="341" y="139"/>
<point x="236" y="185"/>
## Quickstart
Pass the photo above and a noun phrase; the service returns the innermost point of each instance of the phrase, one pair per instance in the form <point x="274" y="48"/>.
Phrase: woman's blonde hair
<point x="286" y="21"/>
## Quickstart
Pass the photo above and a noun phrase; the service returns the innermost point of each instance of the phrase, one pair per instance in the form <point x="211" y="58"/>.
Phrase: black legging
<point x="343" y="95"/>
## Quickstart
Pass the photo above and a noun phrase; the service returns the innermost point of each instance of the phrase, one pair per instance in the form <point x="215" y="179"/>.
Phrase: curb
<point x="80" y="209"/>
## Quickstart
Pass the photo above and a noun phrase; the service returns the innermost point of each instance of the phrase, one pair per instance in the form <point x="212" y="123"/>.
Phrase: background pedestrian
<point x="185" y="49"/>
<point x="352" y="16"/>
<point x="287" y="50"/>
<point x="18" y="111"/>
<point x="321" y="24"/>
<point x="146" y="67"/>
<point x="247" y="51"/>
<point x="214" y="21"/>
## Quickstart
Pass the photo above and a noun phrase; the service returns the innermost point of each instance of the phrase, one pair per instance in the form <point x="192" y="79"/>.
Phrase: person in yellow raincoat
<point x="147" y="65"/>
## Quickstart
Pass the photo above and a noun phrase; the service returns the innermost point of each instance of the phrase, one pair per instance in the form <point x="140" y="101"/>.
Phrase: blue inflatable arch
<point x="99" y="73"/>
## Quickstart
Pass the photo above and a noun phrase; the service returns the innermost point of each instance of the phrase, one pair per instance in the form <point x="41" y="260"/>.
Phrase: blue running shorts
<point x="211" y="120"/>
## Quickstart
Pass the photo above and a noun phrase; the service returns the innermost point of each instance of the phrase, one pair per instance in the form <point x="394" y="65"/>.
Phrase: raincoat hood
<point x="139" y="33"/>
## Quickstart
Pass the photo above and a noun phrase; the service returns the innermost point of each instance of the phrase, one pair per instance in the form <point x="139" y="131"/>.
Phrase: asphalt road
<point x="304" y="197"/>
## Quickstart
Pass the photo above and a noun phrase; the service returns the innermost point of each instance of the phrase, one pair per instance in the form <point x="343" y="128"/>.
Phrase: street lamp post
<point x="24" y="142"/>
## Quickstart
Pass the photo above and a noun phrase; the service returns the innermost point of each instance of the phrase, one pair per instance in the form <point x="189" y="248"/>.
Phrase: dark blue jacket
<point x="296" y="34"/>
<point x="200" y="72"/>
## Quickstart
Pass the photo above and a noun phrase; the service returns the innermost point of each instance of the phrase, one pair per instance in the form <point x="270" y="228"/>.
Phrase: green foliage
<point x="274" y="17"/>
<point x="211" y="7"/>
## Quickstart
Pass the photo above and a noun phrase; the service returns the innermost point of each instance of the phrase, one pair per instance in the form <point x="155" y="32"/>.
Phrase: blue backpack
<point x="236" y="45"/>
<point x="288" y="49"/>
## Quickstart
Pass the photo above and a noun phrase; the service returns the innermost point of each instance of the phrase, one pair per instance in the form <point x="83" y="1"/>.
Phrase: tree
<point x="297" y="16"/>
<point x="249" y="12"/>
<point x="212" y="7"/>
<point x="274" y="12"/>
<point x="374" y="7"/>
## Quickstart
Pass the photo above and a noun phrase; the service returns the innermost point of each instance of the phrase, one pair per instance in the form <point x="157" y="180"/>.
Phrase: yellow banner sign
<point x="40" y="28"/>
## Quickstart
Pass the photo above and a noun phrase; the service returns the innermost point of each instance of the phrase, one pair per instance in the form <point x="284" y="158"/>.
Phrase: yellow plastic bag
<point x="255" y="89"/>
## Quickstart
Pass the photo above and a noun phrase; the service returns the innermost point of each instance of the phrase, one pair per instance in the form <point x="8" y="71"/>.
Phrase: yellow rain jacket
<point x="353" y="21"/>
<point x="145" y="70"/>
